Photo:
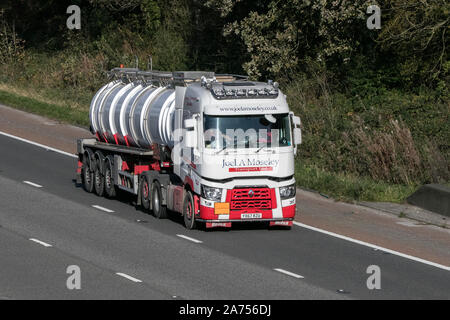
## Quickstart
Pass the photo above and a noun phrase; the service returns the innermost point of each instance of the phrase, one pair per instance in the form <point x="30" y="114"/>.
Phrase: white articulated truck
<point x="217" y="149"/>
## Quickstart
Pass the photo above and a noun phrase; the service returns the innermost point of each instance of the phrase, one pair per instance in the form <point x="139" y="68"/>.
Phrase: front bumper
<point x="228" y="223"/>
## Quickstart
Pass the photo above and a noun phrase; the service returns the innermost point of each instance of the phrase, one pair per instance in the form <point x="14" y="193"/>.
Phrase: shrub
<point x="391" y="136"/>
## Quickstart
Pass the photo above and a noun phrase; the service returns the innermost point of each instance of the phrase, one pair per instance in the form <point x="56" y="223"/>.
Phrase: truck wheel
<point x="159" y="210"/>
<point x="99" y="180"/>
<point x="145" y="193"/>
<point x="188" y="211"/>
<point x="110" y="188"/>
<point x="87" y="176"/>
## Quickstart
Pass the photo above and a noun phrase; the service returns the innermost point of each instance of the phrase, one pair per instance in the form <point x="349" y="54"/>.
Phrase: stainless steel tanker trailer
<point x="217" y="149"/>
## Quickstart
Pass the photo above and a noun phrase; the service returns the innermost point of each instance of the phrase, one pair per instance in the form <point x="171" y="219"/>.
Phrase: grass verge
<point x="345" y="187"/>
<point x="50" y="110"/>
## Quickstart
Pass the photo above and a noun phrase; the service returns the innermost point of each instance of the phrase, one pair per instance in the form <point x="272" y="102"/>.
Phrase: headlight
<point x="210" y="193"/>
<point x="287" y="192"/>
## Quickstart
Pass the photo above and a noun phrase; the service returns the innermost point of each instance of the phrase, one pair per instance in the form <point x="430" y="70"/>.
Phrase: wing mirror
<point x="190" y="126"/>
<point x="297" y="132"/>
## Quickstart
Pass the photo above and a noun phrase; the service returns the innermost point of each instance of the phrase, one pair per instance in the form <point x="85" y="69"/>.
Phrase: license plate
<point x="251" y="216"/>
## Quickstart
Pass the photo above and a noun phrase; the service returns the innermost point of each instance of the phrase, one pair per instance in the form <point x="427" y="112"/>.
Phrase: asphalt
<point x="236" y="264"/>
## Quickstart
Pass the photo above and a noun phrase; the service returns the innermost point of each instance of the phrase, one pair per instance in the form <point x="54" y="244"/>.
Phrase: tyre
<point x="145" y="193"/>
<point x="99" y="179"/>
<point x="87" y="175"/>
<point x="188" y="211"/>
<point x="159" y="210"/>
<point x="110" y="188"/>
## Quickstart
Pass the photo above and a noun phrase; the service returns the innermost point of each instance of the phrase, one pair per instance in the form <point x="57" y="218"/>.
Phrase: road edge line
<point x="43" y="146"/>
<point x="373" y="246"/>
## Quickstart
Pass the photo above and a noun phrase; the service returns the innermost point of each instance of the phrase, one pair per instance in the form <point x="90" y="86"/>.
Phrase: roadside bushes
<point x="11" y="49"/>
<point x="391" y="136"/>
<point x="388" y="153"/>
<point x="70" y="76"/>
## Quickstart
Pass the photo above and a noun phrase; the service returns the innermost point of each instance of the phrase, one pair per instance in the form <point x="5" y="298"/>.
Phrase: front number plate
<point x="251" y="216"/>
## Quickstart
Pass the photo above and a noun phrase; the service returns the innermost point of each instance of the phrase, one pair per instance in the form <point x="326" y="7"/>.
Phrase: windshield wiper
<point x="221" y="150"/>
<point x="271" y="150"/>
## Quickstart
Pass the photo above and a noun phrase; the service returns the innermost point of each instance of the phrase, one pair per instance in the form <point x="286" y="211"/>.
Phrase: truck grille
<point x="244" y="194"/>
<point x="251" y="198"/>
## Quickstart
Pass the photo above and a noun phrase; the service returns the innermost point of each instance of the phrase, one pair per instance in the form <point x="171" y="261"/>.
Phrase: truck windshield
<point x="249" y="131"/>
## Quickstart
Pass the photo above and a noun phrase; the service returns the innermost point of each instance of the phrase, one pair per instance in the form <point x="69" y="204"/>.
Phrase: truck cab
<point x="237" y="152"/>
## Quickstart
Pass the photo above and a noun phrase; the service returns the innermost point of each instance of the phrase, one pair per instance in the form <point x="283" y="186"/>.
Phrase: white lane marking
<point x="403" y="255"/>
<point x="33" y="184"/>
<point x="289" y="273"/>
<point x="103" y="209"/>
<point x="38" y="144"/>
<point x="189" y="238"/>
<point x="128" y="277"/>
<point x="42" y="243"/>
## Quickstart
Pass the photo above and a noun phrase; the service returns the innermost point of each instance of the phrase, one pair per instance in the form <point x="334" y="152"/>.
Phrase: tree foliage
<point x="284" y="34"/>
<point x="417" y="31"/>
<point x="264" y="38"/>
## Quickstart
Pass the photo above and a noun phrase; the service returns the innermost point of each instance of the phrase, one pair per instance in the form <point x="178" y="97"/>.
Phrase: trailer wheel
<point x="188" y="211"/>
<point x="99" y="179"/>
<point x="145" y="193"/>
<point x="159" y="210"/>
<point x="110" y="188"/>
<point x="87" y="175"/>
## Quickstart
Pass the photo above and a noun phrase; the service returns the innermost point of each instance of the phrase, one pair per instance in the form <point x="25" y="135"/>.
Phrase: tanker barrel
<point x="137" y="107"/>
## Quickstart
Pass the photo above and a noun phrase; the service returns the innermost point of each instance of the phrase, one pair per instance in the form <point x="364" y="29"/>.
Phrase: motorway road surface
<point x="124" y="253"/>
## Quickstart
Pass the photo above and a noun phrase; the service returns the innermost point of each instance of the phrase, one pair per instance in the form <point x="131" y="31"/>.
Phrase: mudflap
<point x="78" y="174"/>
